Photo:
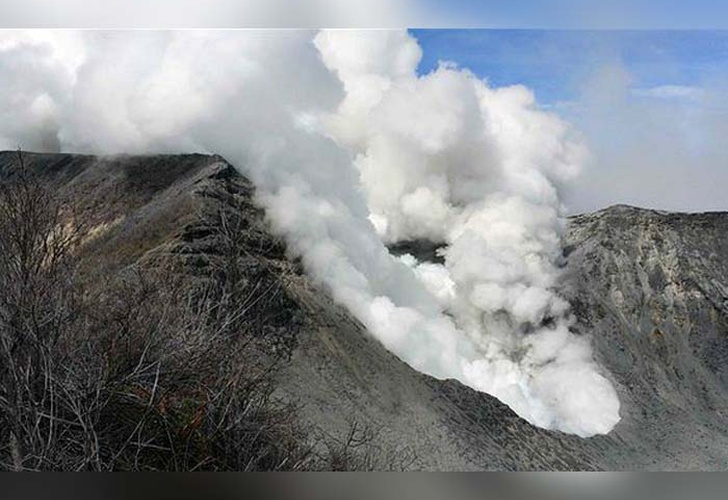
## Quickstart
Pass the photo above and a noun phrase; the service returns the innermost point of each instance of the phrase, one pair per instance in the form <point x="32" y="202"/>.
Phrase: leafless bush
<point x="145" y="371"/>
<point x="187" y="394"/>
<point x="36" y="302"/>
<point x="150" y="367"/>
<point x="360" y="449"/>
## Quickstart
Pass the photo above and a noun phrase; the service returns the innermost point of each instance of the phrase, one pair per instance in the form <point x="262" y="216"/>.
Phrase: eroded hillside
<point x="649" y="288"/>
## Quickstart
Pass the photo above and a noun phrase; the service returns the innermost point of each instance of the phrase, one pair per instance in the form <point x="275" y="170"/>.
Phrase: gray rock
<point x="649" y="288"/>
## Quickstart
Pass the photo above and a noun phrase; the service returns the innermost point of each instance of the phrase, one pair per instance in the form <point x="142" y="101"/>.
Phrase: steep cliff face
<point x="649" y="288"/>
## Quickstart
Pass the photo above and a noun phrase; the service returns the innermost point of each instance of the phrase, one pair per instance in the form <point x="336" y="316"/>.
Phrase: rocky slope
<point x="650" y="288"/>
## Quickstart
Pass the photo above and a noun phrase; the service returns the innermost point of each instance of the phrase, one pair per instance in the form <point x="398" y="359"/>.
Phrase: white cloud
<point x="447" y="158"/>
<point x="657" y="147"/>
<point x="337" y="131"/>
<point x="671" y="92"/>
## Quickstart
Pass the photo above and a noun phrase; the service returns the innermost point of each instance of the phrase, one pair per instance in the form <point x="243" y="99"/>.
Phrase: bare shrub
<point x="360" y="449"/>
<point x="37" y="301"/>
<point x="144" y="371"/>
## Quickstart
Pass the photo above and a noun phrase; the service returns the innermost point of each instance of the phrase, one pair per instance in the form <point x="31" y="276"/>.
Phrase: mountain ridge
<point x="645" y="285"/>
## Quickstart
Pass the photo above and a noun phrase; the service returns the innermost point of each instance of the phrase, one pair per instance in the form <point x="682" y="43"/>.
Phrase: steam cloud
<point x="351" y="149"/>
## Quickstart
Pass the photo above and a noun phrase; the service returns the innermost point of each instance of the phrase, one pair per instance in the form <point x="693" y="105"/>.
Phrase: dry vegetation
<point x="113" y="363"/>
<point x="145" y="371"/>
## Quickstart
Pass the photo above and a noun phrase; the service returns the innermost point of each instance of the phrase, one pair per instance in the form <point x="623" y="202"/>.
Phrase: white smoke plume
<point x="351" y="149"/>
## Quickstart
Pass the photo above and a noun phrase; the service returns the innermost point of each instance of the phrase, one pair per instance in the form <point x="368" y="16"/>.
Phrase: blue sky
<point x="555" y="63"/>
<point x="651" y="105"/>
<point x="580" y="14"/>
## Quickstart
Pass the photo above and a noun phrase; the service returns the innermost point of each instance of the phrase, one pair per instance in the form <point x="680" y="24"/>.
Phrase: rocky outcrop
<point x="649" y="287"/>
